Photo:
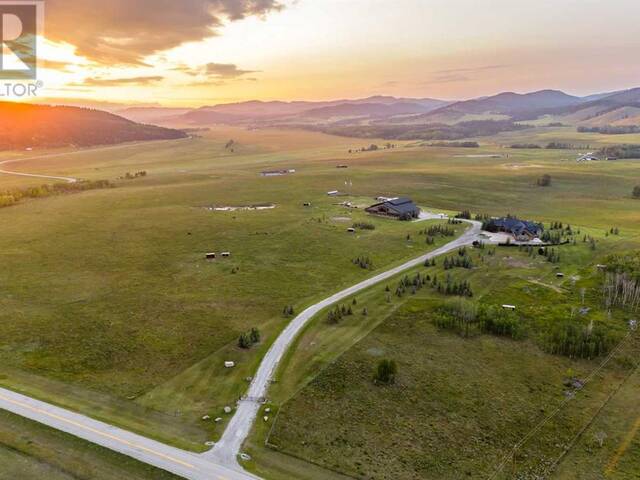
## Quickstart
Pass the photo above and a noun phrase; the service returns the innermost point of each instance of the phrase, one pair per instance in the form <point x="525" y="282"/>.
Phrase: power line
<point x="536" y="429"/>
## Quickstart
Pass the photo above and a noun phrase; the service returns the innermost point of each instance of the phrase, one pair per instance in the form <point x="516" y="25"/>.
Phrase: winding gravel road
<point x="66" y="154"/>
<point x="221" y="462"/>
<point x="35" y="175"/>
<point x="228" y="448"/>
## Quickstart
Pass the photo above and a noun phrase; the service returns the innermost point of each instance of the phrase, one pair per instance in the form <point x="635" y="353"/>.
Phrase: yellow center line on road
<point x="97" y="432"/>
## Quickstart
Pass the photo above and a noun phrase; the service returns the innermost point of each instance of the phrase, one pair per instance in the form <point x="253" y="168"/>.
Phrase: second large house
<point x="522" y="230"/>
<point x="402" y="208"/>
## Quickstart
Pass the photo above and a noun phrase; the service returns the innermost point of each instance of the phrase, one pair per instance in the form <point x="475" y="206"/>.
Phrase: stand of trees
<point x="457" y="262"/>
<point x="575" y="340"/>
<point x="559" y="146"/>
<point x="14" y="196"/>
<point x="363" y="262"/>
<point x="620" y="151"/>
<point x="131" y="176"/>
<point x="621" y="284"/>
<point x="440" y="230"/>
<point x="525" y="146"/>
<point x="337" y="314"/>
<point x="611" y="129"/>
<point x="451" y="287"/>
<point x="249" y="339"/>
<point x="468" y="318"/>
<point x="428" y="132"/>
<point x="455" y="144"/>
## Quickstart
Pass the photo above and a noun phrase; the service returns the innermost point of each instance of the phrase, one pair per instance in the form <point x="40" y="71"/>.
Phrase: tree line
<point x="14" y="196"/>
<point x="469" y="318"/>
<point x="611" y="129"/>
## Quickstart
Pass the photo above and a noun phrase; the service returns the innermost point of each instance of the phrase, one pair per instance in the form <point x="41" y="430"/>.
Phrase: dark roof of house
<point x="516" y="225"/>
<point x="399" y="201"/>
<point x="400" y="205"/>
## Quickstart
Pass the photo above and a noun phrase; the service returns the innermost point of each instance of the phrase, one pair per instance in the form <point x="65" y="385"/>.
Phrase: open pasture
<point x="110" y="307"/>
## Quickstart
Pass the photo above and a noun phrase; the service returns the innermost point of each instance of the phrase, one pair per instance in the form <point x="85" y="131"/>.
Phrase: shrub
<point x="364" y="226"/>
<point x="636" y="192"/>
<point x="544" y="181"/>
<point x="386" y="372"/>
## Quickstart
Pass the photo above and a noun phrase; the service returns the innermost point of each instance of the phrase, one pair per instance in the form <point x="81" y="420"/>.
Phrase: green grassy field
<point x="29" y="451"/>
<point x="610" y="447"/>
<point x="111" y="309"/>
<point x="440" y="419"/>
<point x="143" y="324"/>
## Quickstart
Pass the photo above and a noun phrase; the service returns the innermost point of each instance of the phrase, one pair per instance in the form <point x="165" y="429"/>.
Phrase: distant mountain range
<point x="39" y="126"/>
<point x="550" y="106"/>
<point x="251" y="111"/>
<point x="25" y="125"/>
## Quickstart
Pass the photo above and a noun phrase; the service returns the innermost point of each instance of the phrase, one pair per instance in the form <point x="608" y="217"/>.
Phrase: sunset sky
<point x="195" y="52"/>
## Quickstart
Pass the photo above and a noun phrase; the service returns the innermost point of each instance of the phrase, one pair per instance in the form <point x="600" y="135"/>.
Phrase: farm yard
<point x="143" y="323"/>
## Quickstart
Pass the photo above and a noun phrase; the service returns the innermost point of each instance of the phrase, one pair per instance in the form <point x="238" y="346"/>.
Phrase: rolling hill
<point x="616" y="109"/>
<point x="367" y="110"/>
<point x="506" y="105"/>
<point x="415" y="118"/>
<point x="38" y="126"/>
<point x="264" y="112"/>
<point x="150" y="114"/>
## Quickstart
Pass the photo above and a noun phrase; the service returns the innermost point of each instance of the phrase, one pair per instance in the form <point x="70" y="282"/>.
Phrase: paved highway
<point x="185" y="464"/>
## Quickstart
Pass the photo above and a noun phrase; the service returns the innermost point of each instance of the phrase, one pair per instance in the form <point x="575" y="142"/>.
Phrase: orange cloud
<point x="118" y="82"/>
<point x="125" y="32"/>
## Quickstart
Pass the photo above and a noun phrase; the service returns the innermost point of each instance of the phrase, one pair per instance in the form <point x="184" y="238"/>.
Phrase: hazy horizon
<point x="107" y="105"/>
<point x="199" y="52"/>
